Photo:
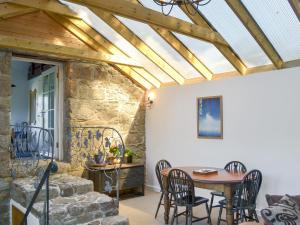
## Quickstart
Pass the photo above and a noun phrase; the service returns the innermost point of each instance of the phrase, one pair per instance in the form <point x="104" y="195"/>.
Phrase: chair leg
<point x="211" y="203"/>
<point x="255" y="215"/>
<point x="208" y="214"/>
<point x="190" y="215"/>
<point x="245" y="215"/>
<point x="159" y="203"/>
<point x="237" y="216"/>
<point x="174" y="214"/>
<point x="242" y="215"/>
<point x="220" y="215"/>
<point x="186" y="215"/>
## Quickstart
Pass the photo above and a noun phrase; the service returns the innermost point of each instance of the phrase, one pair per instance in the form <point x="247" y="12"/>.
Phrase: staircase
<point x="72" y="201"/>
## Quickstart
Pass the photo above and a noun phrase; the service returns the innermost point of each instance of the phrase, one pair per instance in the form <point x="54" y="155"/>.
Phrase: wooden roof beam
<point x="138" y="43"/>
<point x="8" y="10"/>
<point x="250" y="71"/>
<point x="97" y="42"/>
<point x="47" y="5"/>
<point x="227" y="51"/>
<point x="135" y="76"/>
<point x="296" y="7"/>
<point x="111" y="48"/>
<point x="138" y="12"/>
<point x="246" y="18"/>
<point x="73" y="53"/>
<point x="181" y="48"/>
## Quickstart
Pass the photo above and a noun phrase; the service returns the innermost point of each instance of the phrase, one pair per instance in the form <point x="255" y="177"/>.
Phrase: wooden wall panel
<point x="40" y="27"/>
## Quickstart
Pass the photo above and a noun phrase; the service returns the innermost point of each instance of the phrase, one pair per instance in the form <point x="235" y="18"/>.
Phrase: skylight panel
<point x="208" y="54"/>
<point x="233" y="31"/>
<point x="94" y="21"/>
<point x="279" y="23"/>
<point x="161" y="47"/>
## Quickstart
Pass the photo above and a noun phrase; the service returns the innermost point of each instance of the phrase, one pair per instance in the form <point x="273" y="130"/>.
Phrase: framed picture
<point x="210" y="117"/>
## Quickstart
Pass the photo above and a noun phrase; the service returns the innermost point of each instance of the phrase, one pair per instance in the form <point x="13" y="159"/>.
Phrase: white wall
<point x="261" y="128"/>
<point x="20" y="94"/>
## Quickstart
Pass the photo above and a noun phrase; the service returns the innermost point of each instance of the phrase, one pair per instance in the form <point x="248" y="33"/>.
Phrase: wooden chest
<point x="131" y="178"/>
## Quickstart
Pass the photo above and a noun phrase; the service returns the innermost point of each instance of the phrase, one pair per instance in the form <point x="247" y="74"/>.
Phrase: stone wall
<point x="5" y="94"/>
<point x="101" y="95"/>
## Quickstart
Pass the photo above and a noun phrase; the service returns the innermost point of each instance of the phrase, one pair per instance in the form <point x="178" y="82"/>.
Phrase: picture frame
<point x="210" y="117"/>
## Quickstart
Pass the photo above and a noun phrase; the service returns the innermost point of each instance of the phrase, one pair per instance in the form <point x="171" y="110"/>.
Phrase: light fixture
<point x="171" y="3"/>
<point x="150" y="99"/>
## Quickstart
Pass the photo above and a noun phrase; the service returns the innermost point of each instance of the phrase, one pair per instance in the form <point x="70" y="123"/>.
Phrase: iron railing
<point x="29" y="145"/>
<point x="92" y="145"/>
<point x="88" y="145"/>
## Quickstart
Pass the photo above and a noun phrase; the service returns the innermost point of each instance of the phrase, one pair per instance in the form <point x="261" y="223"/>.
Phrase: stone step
<point x="111" y="220"/>
<point x="78" y="209"/>
<point x="22" y="189"/>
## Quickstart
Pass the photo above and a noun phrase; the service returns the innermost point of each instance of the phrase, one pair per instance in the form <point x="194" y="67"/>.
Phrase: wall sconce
<point x="150" y="99"/>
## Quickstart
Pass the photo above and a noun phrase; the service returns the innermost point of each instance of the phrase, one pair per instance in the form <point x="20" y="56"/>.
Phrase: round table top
<point x="221" y="177"/>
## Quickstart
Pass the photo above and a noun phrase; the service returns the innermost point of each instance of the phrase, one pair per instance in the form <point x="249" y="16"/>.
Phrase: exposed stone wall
<point x="5" y="94"/>
<point x="101" y="95"/>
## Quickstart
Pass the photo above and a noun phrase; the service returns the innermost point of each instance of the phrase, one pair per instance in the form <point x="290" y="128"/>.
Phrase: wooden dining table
<point x="222" y="181"/>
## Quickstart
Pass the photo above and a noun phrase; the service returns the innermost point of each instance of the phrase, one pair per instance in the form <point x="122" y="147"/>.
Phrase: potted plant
<point x="129" y="155"/>
<point x="115" y="152"/>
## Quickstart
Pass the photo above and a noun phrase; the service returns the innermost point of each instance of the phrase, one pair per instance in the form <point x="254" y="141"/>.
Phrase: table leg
<point x="166" y="200"/>
<point x="228" y="195"/>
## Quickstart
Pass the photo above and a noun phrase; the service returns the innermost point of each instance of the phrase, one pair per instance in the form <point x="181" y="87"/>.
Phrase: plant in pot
<point x="129" y="154"/>
<point x="115" y="151"/>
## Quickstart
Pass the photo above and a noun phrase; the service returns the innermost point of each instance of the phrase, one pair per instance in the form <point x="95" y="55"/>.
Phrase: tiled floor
<point x="141" y="210"/>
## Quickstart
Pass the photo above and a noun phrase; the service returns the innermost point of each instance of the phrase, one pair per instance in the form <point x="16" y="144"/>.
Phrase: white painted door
<point x="47" y="101"/>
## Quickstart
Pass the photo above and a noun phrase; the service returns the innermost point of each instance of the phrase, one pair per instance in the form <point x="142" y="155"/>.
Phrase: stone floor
<point x="141" y="210"/>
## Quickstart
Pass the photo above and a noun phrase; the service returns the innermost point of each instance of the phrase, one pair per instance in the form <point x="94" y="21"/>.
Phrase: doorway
<point x="36" y="98"/>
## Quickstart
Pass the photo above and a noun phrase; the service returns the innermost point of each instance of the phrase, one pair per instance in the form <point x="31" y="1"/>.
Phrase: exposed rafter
<point x="181" y="48"/>
<point x="135" y="76"/>
<point x="8" y="10"/>
<point x="46" y="5"/>
<point x="137" y="12"/>
<point x="138" y="43"/>
<point x="296" y="7"/>
<point x="250" y="71"/>
<point x="246" y="18"/>
<point x="111" y="48"/>
<point x="58" y="50"/>
<point x="227" y="51"/>
<point x="97" y="42"/>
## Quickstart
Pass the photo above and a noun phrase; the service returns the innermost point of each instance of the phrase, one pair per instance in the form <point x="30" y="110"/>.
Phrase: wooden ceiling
<point x="101" y="49"/>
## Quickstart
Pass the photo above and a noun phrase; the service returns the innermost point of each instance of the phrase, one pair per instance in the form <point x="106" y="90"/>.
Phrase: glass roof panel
<point x="279" y="23"/>
<point x="233" y="31"/>
<point x="208" y="54"/>
<point x="94" y="21"/>
<point x="162" y="48"/>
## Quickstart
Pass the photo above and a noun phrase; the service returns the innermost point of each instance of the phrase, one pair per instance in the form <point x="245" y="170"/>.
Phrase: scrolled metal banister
<point x="30" y="144"/>
<point x="88" y="141"/>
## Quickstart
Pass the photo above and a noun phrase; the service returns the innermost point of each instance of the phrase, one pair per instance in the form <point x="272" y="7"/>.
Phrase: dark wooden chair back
<point x="160" y="165"/>
<point x="181" y="186"/>
<point x="248" y="189"/>
<point x="236" y="167"/>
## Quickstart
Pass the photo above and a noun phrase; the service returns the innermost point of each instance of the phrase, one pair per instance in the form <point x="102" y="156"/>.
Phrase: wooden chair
<point x="160" y="165"/>
<point x="183" y="192"/>
<point x="245" y="199"/>
<point x="233" y="166"/>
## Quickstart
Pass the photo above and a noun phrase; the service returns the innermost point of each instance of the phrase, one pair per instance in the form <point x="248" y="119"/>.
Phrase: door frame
<point x="58" y="146"/>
